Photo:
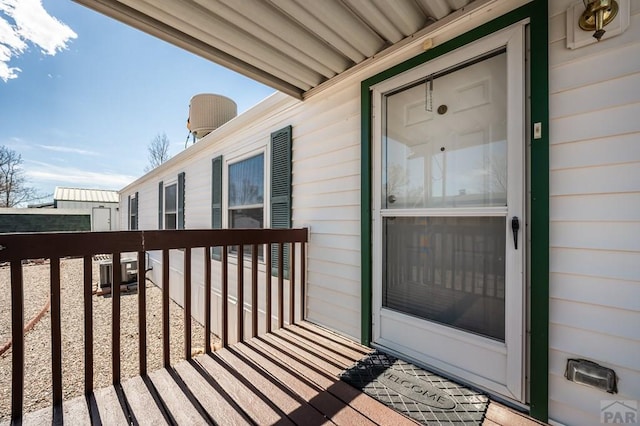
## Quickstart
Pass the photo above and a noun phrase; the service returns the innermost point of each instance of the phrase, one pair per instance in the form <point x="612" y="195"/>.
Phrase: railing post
<point x="303" y="280"/>
<point x="166" y="351"/>
<point x="142" y="311"/>
<point x="280" y="285"/>
<point x="56" y="332"/>
<point x="268" y="287"/>
<point x="292" y="283"/>
<point x="207" y="299"/>
<point x="116" y="279"/>
<point x="88" y="324"/>
<point x="254" y="290"/>
<point x="225" y="296"/>
<point x="240" y="293"/>
<point x="17" y="336"/>
<point x="187" y="303"/>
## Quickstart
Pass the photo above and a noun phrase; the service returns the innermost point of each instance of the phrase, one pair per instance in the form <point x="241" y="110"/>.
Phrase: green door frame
<point x="537" y="13"/>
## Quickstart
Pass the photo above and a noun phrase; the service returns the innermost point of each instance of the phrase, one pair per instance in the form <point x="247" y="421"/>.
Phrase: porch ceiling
<point x="290" y="45"/>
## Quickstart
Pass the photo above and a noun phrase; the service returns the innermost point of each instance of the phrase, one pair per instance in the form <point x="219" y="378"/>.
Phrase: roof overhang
<point x="293" y="46"/>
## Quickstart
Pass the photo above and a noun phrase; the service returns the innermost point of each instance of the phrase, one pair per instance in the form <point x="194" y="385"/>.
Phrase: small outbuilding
<point x="101" y="203"/>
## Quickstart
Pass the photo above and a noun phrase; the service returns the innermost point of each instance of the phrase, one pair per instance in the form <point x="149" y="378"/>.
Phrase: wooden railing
<point x="15" y="248"/>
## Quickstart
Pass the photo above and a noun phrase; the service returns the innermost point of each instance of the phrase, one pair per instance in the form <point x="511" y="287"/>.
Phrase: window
<point x="245" y="184"/>
<point x="171" y="206"/>
<point x="246" y="194"/>
<point x="133" y="211"/>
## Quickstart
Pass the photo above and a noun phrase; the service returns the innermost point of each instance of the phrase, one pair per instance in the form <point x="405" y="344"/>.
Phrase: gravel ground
<point x="37" y="392"/>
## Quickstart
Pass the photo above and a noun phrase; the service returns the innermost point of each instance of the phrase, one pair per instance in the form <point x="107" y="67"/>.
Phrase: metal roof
<point x="291" y="45"/>
<point x="88" y="195"/>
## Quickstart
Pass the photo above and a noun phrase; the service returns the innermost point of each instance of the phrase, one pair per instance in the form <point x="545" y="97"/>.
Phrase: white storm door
<point x="449" y="170"/>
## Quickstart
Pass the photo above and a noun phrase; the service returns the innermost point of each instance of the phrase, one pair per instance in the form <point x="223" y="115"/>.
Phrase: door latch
<point x="515" y="227"/>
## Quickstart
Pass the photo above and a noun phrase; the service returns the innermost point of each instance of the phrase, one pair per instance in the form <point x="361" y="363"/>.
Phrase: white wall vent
<point x="207" y="112"/>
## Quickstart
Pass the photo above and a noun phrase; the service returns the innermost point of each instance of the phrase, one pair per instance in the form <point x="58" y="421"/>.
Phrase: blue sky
<point x="84" y="115"/>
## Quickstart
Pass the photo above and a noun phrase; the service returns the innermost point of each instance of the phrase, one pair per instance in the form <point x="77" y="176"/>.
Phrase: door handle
<point x="515" y="227"/>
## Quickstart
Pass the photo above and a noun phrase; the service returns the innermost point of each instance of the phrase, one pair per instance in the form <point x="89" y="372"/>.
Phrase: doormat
<point x="417" y="393"/>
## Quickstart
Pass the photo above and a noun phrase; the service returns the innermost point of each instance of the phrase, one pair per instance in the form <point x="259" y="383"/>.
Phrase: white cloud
<point x="38" y="172"/>
<point x="65" y="149"/>
<point x="31" y="24"/>
<point x="6" y="72"/>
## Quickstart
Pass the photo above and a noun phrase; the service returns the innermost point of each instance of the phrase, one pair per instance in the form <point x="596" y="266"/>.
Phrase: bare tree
<point x="496" y="167"/>
<point x="13" y="188"/>
<point x="158" y="151"/>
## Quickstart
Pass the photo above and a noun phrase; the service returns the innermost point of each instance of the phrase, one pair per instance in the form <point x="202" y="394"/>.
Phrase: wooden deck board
<point x="311" y="357"/>
<point x="339" y="412"/>
<point x="144" y="405"/>
<point x="333" y="336"/>
<point x="210" y="394"/>
<point x="109" y="407"/>
<point x="297" y="408"/>
<point x="330" y="343"/>
<point x="74" y="412"/>
<point x="371" y="408"/>
<point x="501" y="415"/>
<point x="181" y="408"/>
<point x="289" y="376"/>
<point x="339" y="359"/>
<point x="248" y="397"/>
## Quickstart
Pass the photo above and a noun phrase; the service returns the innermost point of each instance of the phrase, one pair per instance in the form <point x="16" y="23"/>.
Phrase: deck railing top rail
<point x="14" y="247"/>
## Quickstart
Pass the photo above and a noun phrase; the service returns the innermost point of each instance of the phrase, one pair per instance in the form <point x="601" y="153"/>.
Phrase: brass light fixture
<point x="597" y="14"/>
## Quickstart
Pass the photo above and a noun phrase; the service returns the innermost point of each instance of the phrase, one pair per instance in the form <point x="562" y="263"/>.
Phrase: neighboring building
<point x="472" y="187"/>
<point x="101" y="204"/>
<point x="72" y="209"/>
<point x="44" y="220"/>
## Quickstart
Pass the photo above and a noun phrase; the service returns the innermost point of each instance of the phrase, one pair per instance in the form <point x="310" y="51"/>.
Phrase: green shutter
<point x="181" y="198"/>
<point x="280" y="190"/>
<point x="216" y="200"/>
<point x="129" y="212"/>
<point x="160" y="207"/>
<point x="137" y="224"/>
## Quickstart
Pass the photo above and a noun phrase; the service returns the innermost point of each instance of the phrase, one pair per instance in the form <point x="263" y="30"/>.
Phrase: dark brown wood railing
<point x="15" y="248"/>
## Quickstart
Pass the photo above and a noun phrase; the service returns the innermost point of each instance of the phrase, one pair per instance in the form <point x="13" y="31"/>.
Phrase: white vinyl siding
<point x="594" y="204"/>
<point x="326" y="195"/>
<point x="325" y="184"/>
<point x="147" y="207"/>
<point x="594" y="306"/>
<point x="198" y="187"/>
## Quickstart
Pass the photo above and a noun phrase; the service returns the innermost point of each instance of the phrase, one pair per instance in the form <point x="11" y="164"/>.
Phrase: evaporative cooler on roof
<point x="207" y="112"/>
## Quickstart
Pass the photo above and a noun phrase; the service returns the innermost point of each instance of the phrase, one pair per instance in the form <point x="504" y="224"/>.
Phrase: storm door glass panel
<point x="171" y="206"/>
<point x="444" y="139"/>
<point x="450" y="270"/>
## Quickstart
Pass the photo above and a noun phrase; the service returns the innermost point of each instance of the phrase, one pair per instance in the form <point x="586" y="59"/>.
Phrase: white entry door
<point x="100" y="219"/>
<point x="449" y="237"/>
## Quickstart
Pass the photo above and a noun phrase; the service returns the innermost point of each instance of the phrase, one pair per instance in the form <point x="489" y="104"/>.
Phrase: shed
<point x="102" y="204"/>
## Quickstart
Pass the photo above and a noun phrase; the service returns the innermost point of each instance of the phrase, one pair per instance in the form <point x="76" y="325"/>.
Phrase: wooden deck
<point x="287" y="377"/>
